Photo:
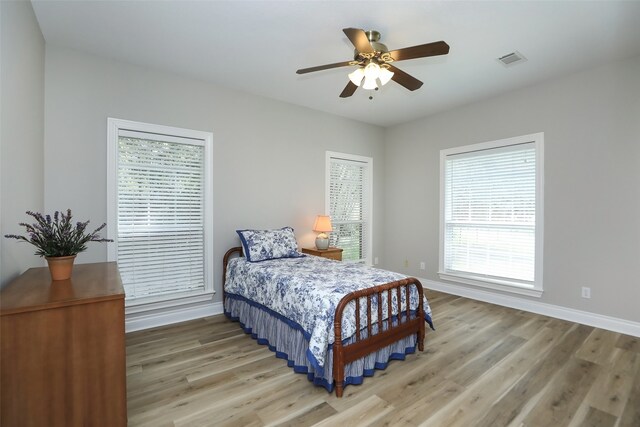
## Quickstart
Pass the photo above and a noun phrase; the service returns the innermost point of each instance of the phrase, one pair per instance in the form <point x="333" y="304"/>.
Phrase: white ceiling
<point x="256" y="46"/>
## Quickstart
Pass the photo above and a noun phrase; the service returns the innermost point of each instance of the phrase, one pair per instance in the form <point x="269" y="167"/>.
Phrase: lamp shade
<point x="322" y="224"/>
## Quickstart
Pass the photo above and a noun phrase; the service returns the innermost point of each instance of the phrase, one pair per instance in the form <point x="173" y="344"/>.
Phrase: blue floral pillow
<point x="261" y="245"/>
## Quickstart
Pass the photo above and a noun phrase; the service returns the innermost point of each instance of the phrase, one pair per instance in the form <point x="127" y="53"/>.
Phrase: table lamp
<point x="323" y="226"/>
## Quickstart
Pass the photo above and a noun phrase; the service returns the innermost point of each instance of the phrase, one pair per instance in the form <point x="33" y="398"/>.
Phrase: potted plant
<point x="58" y="240"/>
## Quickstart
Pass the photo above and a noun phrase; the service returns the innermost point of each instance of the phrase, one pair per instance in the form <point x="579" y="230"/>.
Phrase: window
<point x="159" y="189"/>
<point x="349" y="204"/>
<point x="491" y="214"/>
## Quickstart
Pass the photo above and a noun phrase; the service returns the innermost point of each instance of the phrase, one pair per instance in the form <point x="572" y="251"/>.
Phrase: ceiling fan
<point x="373" y="60"/>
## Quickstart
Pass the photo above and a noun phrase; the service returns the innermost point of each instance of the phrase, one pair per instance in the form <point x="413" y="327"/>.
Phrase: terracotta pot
<point x="60" y="267"/>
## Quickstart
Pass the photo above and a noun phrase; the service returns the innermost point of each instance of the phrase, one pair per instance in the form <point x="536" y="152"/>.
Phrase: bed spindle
<point x="399" y="302"/>
<point x="389" y="310"/>
<point x="369" y="315"/>
<point x="406" y="293"/>
<point x="357" y="301"/>
<point x="379" y="300"/>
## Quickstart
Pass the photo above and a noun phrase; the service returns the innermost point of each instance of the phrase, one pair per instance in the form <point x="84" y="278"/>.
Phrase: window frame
<point x="517" y="287"/>
<point x="114" y="126"/>
<point x="367" y="192"/>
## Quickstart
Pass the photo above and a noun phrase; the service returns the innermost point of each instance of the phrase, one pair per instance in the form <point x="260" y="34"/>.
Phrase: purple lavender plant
<point x="58" y="236"/>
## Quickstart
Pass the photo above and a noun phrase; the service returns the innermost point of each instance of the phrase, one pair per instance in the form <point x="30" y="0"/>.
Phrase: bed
<point x="337" y="322"/>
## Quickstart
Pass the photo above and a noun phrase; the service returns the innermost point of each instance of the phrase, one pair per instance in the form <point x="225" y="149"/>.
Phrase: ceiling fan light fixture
<point x="385" y="76"/>
<point x="357" y="76"/>
<point x="373" y="60"/>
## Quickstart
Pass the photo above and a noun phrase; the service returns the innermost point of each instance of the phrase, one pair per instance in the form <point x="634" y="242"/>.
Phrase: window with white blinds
<point x="162" y="232"/>
<point x="349" y="205"/>
<point x="491" y="213"/>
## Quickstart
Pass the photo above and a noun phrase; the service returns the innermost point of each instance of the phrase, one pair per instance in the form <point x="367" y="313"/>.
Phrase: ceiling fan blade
<point x="405" y="79"/>
<point x="359" y="39"/>
<point x="421" y="51"/>
<point x="348" y="90"/>
<point x="323" y="67"/>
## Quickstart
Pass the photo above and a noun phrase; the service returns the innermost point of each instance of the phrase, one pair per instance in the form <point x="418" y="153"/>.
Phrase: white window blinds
<point x="349" y="207"/>
<point x="490" y="213"/>
<point x="161" y="214"/>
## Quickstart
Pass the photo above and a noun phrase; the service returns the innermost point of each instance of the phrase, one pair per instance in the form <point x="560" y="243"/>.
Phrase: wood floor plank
<point x="485" y="365"/>
<point x="531" y="327"/>
<point x="163" y="332"/>
<point x="249" y="419"/>
<point x="564" y="394"/>
<point x="133" y="369"/>
<point x="178" y="387"/>
<point x="527" y="406"/>
<point x="439" y="298"/>
<point x="629" y="343"/>
<point x="199" y="331"/>
<point x="631" y="414"/>
<point x="470" y="372"/>
<point x="230" y="364"/>
<point x="560" y="325"/>
<point x="213" y="353"/>
<point x="597" y="418"/>
<point x="614" y="383"/>
<point x="364" y="413"/>
<point x="309" y="417"/>
<point x="207" y="401"/>
<point x="597" y="347"/>
<point x="167" y="350"/>
<point x="419" y="407"/>
<point x="252" y="403"/>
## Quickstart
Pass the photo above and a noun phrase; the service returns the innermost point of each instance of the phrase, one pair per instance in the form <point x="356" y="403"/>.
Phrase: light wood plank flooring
<point x="485" y="365"/>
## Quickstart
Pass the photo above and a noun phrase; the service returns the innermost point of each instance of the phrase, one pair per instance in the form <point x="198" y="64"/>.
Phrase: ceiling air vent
<point x="512" y="58"/>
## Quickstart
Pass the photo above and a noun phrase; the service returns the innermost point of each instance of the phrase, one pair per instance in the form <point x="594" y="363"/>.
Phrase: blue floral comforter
<point x="307" y="290"/>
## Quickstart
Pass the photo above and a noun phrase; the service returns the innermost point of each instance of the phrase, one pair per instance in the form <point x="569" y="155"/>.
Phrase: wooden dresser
<point x="63" y="349"/>
<point x="331" y="253"/>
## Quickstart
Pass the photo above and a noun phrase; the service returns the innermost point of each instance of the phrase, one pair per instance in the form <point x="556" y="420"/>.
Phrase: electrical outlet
<point x="423" y="266"/>
<point x="406" y="263"/>
<point x="375" y="261"/>
<point x="586" y="292"/>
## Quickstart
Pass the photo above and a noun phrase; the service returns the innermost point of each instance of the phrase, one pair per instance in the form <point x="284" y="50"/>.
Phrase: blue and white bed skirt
<point x="289" y="341"/>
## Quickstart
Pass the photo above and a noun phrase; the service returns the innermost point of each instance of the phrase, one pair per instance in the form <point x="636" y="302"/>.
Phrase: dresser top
<point x="34" y="289"/>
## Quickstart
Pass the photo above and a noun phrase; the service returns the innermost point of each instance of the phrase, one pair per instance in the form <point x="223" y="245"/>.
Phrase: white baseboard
<point x="584" y="317"/>
<point x="162" y="317"/>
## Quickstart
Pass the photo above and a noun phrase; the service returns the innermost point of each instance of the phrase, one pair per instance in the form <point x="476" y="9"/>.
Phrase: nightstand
<point x="331" y="253"/>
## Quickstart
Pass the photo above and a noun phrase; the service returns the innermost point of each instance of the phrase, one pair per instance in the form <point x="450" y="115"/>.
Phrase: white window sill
<point x="159" y="303"/>
<point x="499" y="285"/>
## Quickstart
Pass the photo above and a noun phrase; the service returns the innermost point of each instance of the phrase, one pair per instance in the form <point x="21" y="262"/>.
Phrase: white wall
<point x="269" y="160"/>
<point x="269" y="157"/>
<point x="21" y="133"/>
<point x="591" y="123"/>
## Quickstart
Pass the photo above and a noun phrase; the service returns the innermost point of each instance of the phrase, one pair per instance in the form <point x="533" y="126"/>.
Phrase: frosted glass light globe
<point x="372" y="71"/>
<point x="385" y="76"/>
<point x="357" y="76"/>
<point x="369" y="83"/>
